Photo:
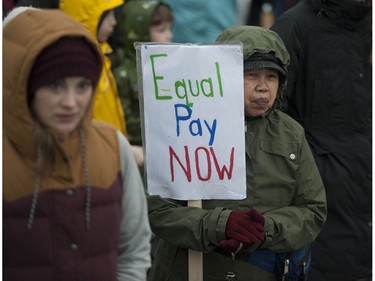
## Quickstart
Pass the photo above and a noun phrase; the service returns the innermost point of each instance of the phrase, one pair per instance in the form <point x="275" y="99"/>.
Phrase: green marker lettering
<point x="155" y="77"/>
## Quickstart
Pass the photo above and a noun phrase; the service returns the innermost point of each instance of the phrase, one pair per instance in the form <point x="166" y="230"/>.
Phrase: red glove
<point x="242" y="226"/>
<point x="256" y="216"/>
<point x="229" y="246"/>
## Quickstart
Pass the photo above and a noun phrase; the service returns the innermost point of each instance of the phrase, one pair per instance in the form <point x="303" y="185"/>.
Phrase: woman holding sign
<point x="285" y="208"/>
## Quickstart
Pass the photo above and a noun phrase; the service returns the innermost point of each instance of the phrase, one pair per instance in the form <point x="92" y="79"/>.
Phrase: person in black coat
<point x="330" y="93"/>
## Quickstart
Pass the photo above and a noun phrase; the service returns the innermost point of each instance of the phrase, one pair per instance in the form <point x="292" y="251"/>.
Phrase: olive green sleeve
<point x="187" y="227"/>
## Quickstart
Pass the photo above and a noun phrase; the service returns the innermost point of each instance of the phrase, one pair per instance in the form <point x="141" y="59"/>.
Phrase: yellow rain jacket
<point x="107" y="106"/>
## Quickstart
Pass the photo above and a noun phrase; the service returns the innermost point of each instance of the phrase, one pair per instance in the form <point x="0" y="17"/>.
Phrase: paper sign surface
<point x="193" y="120"/>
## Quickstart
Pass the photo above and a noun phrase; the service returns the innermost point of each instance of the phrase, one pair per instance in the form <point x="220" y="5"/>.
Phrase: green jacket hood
<point x="257" y="39"/>
<point x="134" y="23"/>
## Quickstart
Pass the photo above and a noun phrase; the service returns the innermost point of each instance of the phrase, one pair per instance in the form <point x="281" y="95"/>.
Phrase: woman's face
<point x="106" y="27"/>
<point x="62" y="105"/>
<point x="260" y="87"/>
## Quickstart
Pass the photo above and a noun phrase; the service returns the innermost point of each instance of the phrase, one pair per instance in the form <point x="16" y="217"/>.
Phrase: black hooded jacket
<point x="330" y="93"/>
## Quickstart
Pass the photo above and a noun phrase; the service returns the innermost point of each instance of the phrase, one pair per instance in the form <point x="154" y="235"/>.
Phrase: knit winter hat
<point x="67" y="57"/>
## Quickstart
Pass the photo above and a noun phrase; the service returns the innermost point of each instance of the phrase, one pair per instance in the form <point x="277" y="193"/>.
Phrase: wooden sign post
<point x="195" y="257"/>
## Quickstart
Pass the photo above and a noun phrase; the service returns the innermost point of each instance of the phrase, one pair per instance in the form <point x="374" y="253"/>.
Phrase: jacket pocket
<point x="288" y="150"/>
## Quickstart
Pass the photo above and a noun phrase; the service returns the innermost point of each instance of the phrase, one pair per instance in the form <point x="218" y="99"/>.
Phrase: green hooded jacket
<point x="283" y="184"/>
<point x="133" y="25"/>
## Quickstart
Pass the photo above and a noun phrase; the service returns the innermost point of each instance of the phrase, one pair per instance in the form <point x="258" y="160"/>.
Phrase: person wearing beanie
<point x="74" y="206"/>
<point x="99" y="18"/>
<point x="67" y="57"/>
<point x="266" y="236"/>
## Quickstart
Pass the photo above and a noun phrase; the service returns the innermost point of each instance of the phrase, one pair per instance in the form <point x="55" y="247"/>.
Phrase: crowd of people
<point x="76" y="206"/>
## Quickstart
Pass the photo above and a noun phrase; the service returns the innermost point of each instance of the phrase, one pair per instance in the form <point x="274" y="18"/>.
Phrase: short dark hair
<point x="162" y="13"/>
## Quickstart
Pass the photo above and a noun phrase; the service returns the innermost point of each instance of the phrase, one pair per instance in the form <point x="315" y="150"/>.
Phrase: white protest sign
<point x="193" y="120"/>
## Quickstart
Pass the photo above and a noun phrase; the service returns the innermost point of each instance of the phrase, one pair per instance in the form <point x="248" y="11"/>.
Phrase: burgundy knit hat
<point x="67" y="57"/>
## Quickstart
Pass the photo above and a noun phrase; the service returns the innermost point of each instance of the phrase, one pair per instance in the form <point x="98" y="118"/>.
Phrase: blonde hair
<point x="45" y="147"/>
<point x="162" y="13"/>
